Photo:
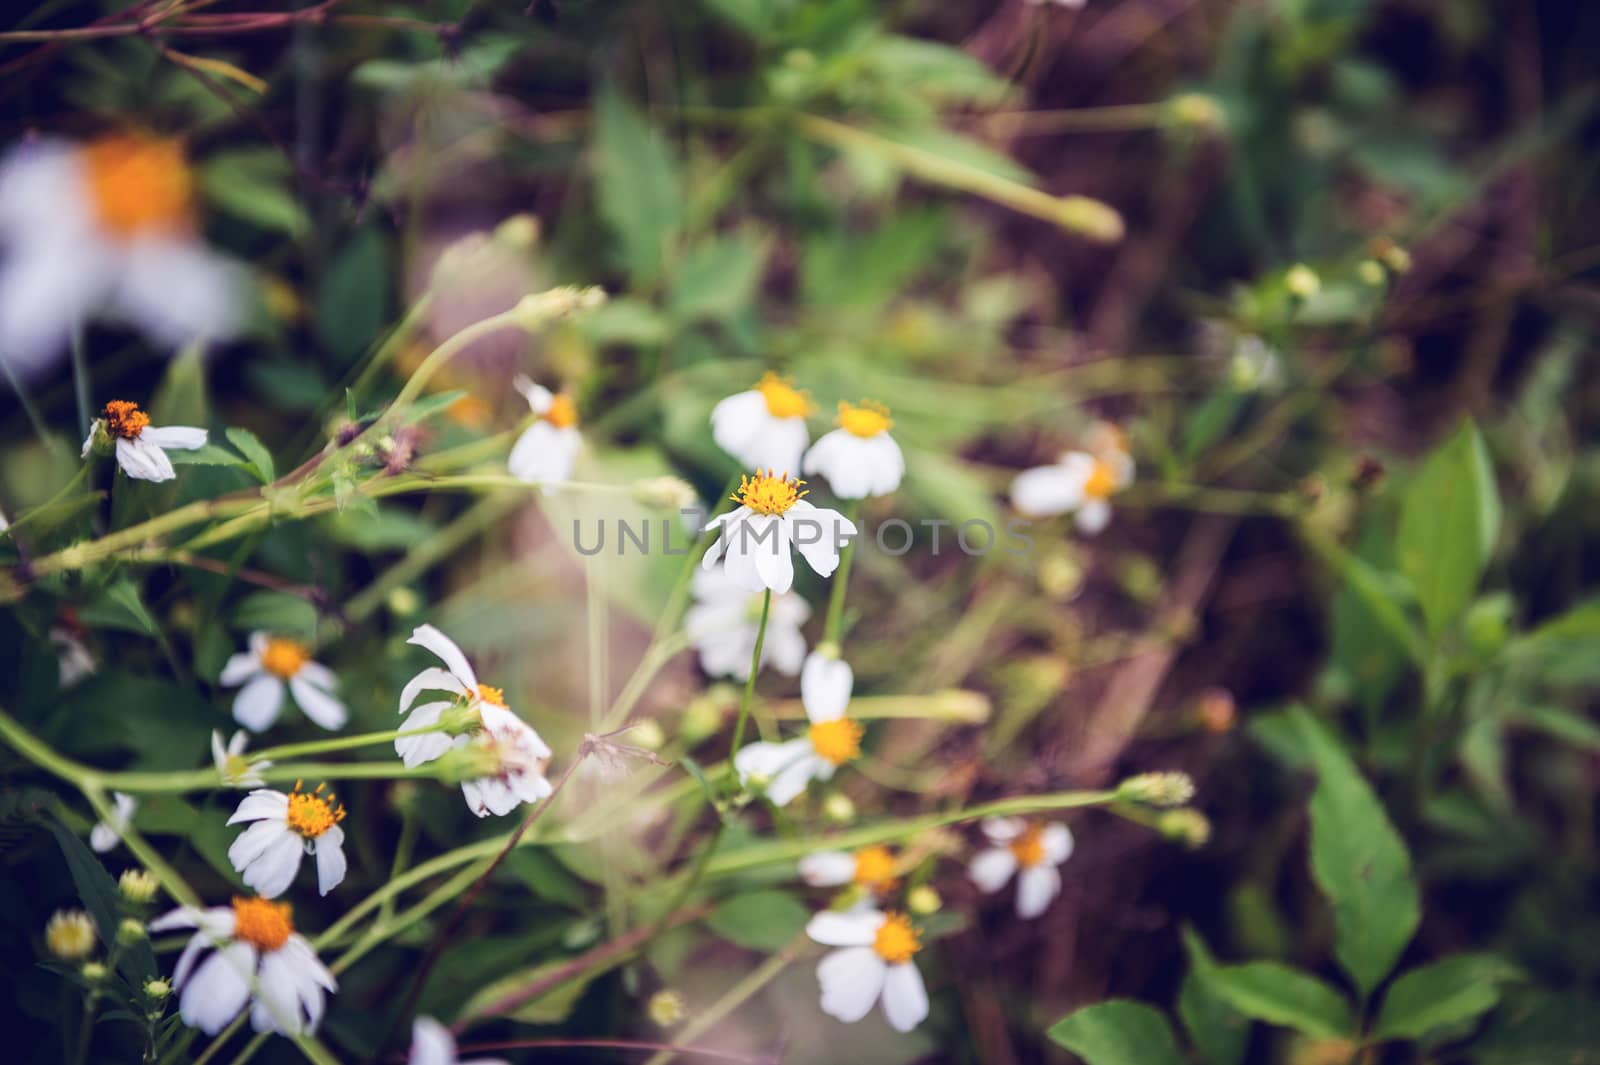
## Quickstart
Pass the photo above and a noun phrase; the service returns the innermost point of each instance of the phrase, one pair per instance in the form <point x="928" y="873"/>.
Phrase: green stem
<point x="736" y="996"/>
<point x="338" y="743"/>
<point x="176" y="886"/>
<point x="830" y="632"/>
<point x="750" y="682"/>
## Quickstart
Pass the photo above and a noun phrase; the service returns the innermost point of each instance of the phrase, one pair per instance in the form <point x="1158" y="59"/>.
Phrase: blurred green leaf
<point x="119" y="607"/>
<point x="276" y="612"/>
<point x="1448" y="524"/>
<point x="760" y="920"/>
<point x="209" y="455"/>
<point x="255" y="451"/>
<point x="1440" y="995"/>
<point x="1118" y="1032"/>
<point x="256" y="185"/>
<point x="352" y="302"/>
<point x="641" y="194"/>
<point x="717" y="278"/>
<point x="1218" y="1031"/>
<point x="103" y="901"/>
<point x="1562" y="650"/>
<point x="1275" y="993"/>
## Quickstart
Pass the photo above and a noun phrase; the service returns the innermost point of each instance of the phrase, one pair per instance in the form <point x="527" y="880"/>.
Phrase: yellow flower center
<point x="769" y="493"/>
<point x="1029" y="847"/>
<point x="838" y="741"/>
<point x="139" y="184"/>
<point x="124" y="419"/>
<point x="313" y="814"/>
<point x="1102" y="480"/>
<point x="283" y="657"/>
<point x="875" y="868"/>
<point x="783" y="399"/>
<point x="262" y="924"/>
<point x="896" y="940"/>
<point x="563" y="413"/>
<point x="867" y="420"/>
<point x="488" y="694"/>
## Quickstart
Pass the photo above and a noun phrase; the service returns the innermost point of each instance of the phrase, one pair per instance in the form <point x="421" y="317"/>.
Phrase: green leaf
<point x="120" y="607"/>
<point x="207" y="455"/>
<point x="552" y="1007"/>
<point x="353" y="300"/>
<point x="1359" y="862"/>
<point x="276" y="612"/>
<point x="1448" y="524"/>
<point x="1118" y="1032"/>
<point x="255" y="451"/>
<point x="1446" y="993"/>
<point x="256" y="185"/>
<point x="1275" y="993"/>
<point x="760" y="920"/>
<point x="428" y="406"/>
<point x="101" y="898"/>
<point x="641" y="195"/>
<point x="625" y="321"/>
<point x="717" y="278"/>
<point x="1217" y="1030"/>
<point x="1561" y="651"/>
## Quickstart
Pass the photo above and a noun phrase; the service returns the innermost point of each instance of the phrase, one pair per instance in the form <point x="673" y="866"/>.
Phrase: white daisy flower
<point x="107" y="228"/>
<point x="432" y="1044"/>
<point x="764" y="428"/>
<point x="272" y="664"/>
<point x="1031" y="851"/>
<point x="875" y="963"/>
<point x="783" y="770"/>
<point x="771" y="518"/>
<point x="725" y="618"/>
<point x="859" y="458"/>
<point x="259" y="959"/>
<point x="140" y="447"/>
<point x="287" y="827"/>
<point x="235" y="770"/>
<point x="1083" y="482"/>
<point x="545" y="453"/>
<point x="519" y="752"/>
<point x="108" y="833"/>
<point x="74" y="663"/>
<point x="871" y="868"/>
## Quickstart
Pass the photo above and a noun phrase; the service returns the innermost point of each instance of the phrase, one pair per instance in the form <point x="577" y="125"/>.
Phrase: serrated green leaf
<point x="1448" y="524"/>
<point x="760" y="920"/>
<point x="1444" y="994"/>
<point x="641" y="195"/>
<point x="1118" y="1032"/>
<point x="255" y="452"/>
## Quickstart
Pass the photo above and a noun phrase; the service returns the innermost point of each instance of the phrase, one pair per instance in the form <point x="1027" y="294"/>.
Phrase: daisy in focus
<point x="106" y="228"/>
<point x="259" y="960"/>
<point x="859" y="458"/>
<point x="233" y="767"/>
<point x="771" y="518"/>
<point x="517" y="751"/>
<point x="271" y="665"/>
<point x="783" y="770"/>
<point x="1081" y="483"/>
<point x="141" y="448"/>
<point x="725" y="619"/>
<point x="870" y="868"/>
<point x="1029" y="850"/>
<point x="108" y="833"/>
<point x="764" y="428"/>
<point x="874" y="964"/>
<point x="545" y="453"/>
<point x="288" y="827"/>
<point x="432" y="1044"/>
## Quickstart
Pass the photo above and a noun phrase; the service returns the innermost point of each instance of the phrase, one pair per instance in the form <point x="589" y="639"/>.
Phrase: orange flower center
<point x="139" y="184"/>
<point x="769" y="493"/>
<point x="1102" y="480"/>
<point x="896" y="940"/>
<point x="488" y="694"/>
<point x="284" y="657"/>
<point x="1029" y="847"/>
<point x="867" y="420"/>
<point x="563" y="413"/>
<point x="313" y="814"/>
<point x="783" y="399"/>
<point x="124" y="419"/>
<point x="838" y="741"/>
<point x="262" y="924"/>
<point x="470" y="411"/>
<point x="874" y="868"/>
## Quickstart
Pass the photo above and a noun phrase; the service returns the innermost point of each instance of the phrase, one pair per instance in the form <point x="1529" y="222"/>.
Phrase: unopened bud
<point x="538" y="309"/>
<point x="1302" y="281"/>
<point x="138" y="886"/>
<point x="130" y="931"/>
<point x="1187" y="826"/>
<point x="666" y="493"/>
<point x="1157" y="789"/>
<point x="1195" y="110"/>
<point x="838" y="808"/>
<point x="100" y="441"/>
<point x="648" y="734"/>
<point x="1090" y="218"/>
<point x="1371" y="272"/>
<point x="667" y="1008"/>
<point x="70" y="935"/>
<point x="157" y="990"/>
<point x="1060" y="575"/>
<point x="703" y="716"/>
<point x="402" y="601"/>
<point x="94" y="972"/>
<point x="923" y="900"/>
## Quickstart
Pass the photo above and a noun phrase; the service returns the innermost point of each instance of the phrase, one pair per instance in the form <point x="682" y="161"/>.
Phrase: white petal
<point x="786" y="767"/>
<point x="431" y="1043"/>
<point x="142" y="460"/>
<point x="544" y="454"/>
<point x="784" y="648"/>
<point x="857" y="928"/>
<point x="828" y="868"/>
<point x="254" y="841"/>
<point x="773" y="563"/>
<point x="539" y="397"/>
<point x="819" y="534"/>
<point x="271" y="874"/>
<point x="102" y="837"/>
<point x="1047" y="490"/>
<point x="263" y="803"/>
<point x="1056" y="839"/>
<point x="219" y="988"/>
<point x="792" y="780"/>
<point x="825" y="686"/>
<point x="431" y="638"/>
<point x="257" y="705"/>
<point x="240" y="668"/>
<point x="905" y="999"/>
<point x="191" y="954"/>
<point x="738" y="423"/>
<point x="179" y="917"/>
<point x="417" y="750"/>
<point x="992" y="868"/>
<point x="277" y="996"/>
<point x="178" y="290"/>
<point x="851" y="979"/>
<point x="1093" y="516"/>
<point x="855" y="467"/>
<point x="47" y="289"/>
<point x="331" y="863"/>
<point x="181" y="437"/>
<point x="431" y="679"/>
<point x="317" y="704"/>
<point x="1003" y="829"/>
<point x="320" y="675"/>
<point x="1036" y="886"/>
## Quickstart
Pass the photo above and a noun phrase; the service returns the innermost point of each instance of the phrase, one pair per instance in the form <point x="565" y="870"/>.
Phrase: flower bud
<point x="70" y="935"/>
<point x="1371" y="272"/>
<point x="703" y="716"/>
<point x="1187" y="826"/>
<point x="838" y="808"/>
<point x="100" y="442"/>
<point x="923" y="900"/>
<point x="138" y="886"/>
<point x="94" y="972"/>
<point x="648" y="734"/>
<point x="130" y="931"/>
<point x="1302" y="281"/>
<point x="157" y="990"/>
<point x="538" y="309"/>
<point x="1157" y="789"/>
<point x="666" y="493"/>
<point x="667" y="1008"/>
<point x="402" y="601"/>
<point x="1195" y="110"/>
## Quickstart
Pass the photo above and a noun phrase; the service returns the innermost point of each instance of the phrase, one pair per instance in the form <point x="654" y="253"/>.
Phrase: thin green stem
<point x="841" y="579"/>
<point x="750" y="681"/>
<point x="338" y="743"/>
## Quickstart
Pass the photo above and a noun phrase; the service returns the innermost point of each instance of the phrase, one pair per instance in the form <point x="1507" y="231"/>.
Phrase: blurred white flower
<point x="140" y="447"/>
<point x="859" y="458"/>
<point x="782" y="770"/>
<point x="431" y="1044"/>
<point x="287" y="827"/>
<point x="872" y="868"/>
<point x="106" y="228"/>
<point x="108" y="833"/>
<point x="1030" y="851"/>
<point x="1082" y="482"/>
<point x="875" y="963"/>
<point x="545" y="453"/>
<point x="74" y="663"/>
<point x="232" y="767"/>
<point x="271" y="665"/>
<point x="764" y="428"/>
<point x="771" y="518"/>
<point x="723" y="622"/>
<point x="259" y="959"/>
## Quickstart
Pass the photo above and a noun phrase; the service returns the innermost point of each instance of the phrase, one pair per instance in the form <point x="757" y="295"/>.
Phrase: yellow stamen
<point x="869" y="419"/>
<point x="283" y="657"/>
<point x="262" y="924"/>
<point x="896" y="940"/>
<point x="563" y="413"/>
<point x="1029" y="847"/>
<point x="769" y="493"/>
<point x="139" y="184"/>
<point x="875" y="868"/>
<point x="124" y="419"/>
<point x="1102" y="480"/>
<point x="783" y="399"/>
<point x="838" y="741"/>
<point x="313" y="814"/>
<point x="488" y="694"/>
